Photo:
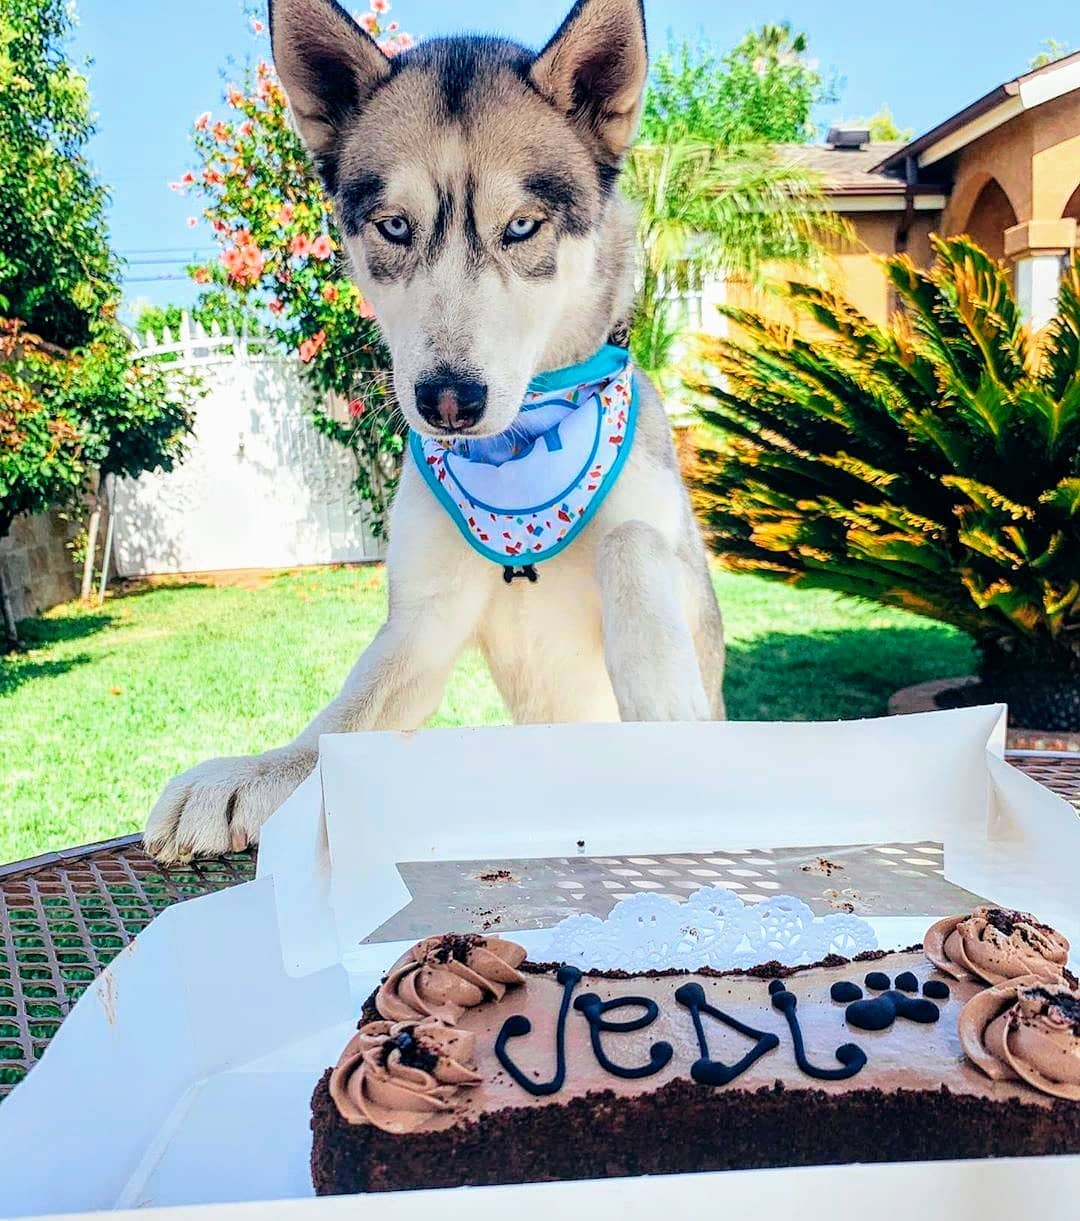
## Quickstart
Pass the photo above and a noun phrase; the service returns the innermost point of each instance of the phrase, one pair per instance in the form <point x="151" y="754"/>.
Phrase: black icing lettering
<point x="517" y="1026"/>
<point x="852" y="1058"/>
<point x="594" y="1010"/>
<point x="707" y="1071"/>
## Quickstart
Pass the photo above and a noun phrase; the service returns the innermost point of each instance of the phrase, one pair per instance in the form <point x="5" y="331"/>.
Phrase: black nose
<point x="450" y="403"/>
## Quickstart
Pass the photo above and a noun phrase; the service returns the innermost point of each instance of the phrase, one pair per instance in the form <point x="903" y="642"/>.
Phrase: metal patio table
<point x="64" y="916"/>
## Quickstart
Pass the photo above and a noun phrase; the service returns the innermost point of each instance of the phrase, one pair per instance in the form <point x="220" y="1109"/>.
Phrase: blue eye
<point x="521" y="228"/>
<point x="395" y="229"/>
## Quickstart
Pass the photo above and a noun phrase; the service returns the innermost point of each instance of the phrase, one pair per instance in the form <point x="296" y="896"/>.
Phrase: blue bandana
<point x="524" y="495"/>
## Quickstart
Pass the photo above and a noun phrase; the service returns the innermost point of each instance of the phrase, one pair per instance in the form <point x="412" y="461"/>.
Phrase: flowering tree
<point x="66" y="415"/>
<point x="282" y="260"/>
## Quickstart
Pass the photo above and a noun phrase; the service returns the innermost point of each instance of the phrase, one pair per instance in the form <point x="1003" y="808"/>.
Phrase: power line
<point x="162" y="250"/>
<point x="165" y="262"/>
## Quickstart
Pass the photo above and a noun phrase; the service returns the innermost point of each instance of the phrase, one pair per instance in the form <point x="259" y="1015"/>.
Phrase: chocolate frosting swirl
<point x="1027" y="1029"/>
<point x="395" y="1074"/>
<point x="996" y="945"/>
<point x="443" y="976"/>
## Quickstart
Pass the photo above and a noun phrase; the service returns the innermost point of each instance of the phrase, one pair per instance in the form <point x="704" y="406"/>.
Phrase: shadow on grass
<point x="41" y="634"/>
<point x="138" y="587"/>
<point x="14" y="671"/>
<point x="837" y="675"/>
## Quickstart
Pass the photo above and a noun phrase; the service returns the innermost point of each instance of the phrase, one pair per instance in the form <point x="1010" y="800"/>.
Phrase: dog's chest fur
<point x="543" y="641"/>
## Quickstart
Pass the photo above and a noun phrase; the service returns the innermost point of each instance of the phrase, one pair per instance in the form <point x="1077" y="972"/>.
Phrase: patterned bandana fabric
<point x="524" y="495"/>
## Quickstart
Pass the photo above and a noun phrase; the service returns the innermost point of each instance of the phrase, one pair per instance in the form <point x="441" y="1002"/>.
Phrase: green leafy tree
<point x="1053" y="50"/>
<point x="763" y="91"/>
<point x="56" y="268"/>
<point x="704" y="209"/>
<point x="882" y="127"/>
<point x="932" y="464"/>
<point x="72" y="403"/>
<point x="282" y="262"/>
<point x="66" y="416"/>
<point x="712" y="194"/>
<point x="156" y="319"/>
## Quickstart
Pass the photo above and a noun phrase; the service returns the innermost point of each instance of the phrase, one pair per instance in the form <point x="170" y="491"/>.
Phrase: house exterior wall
<point x="853" y="269"/>
<point x="1035" y="159"/>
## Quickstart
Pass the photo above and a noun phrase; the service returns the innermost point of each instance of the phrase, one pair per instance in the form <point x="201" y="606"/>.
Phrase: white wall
<point x="259" y="488"/>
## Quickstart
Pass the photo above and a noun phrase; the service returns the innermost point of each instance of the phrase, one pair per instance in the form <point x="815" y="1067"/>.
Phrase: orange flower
<point x="310" y="348"/>
<point x="213" y="177"/>
<point x="233" y="96"/>
<point x="365" y="309"/>
<point x="369" y="23"/>
<point x="201" y="275"/>
<point x="321" y="247"/>
<point x="300" y="245"/>
<point x="286" y="214"/>
<point x="246" y="128"/>
<point x="330" y="292"/>
<point x="357" y="408"/>
<point x="275" y="306"/>
<point x="203" y="121"/>
<point x="245" y="261"/>
<point x="221" y="131"/>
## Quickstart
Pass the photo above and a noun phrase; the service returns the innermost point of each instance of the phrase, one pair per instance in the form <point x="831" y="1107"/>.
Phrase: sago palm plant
<point x="932" y="464"/>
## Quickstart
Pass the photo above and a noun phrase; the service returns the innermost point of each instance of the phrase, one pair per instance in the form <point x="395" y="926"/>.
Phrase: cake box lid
<point x="182" y="1076"/>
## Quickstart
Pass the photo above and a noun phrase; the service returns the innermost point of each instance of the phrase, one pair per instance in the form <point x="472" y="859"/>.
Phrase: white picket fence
<point x="259" y="488"/>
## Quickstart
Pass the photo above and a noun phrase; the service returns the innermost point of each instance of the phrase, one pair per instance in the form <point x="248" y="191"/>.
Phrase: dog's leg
<point x="648" y="644"/>
<point x="397" y="684"/>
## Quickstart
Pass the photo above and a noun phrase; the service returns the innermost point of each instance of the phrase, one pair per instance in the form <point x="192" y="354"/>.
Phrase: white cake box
<point x="183" y="1076"/>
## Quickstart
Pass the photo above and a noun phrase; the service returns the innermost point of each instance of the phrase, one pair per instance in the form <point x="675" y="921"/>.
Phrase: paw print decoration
<point x="895" y="999"/>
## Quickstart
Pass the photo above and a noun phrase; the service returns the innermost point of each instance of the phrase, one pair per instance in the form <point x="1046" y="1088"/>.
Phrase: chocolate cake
<point x="473" y="1066"/>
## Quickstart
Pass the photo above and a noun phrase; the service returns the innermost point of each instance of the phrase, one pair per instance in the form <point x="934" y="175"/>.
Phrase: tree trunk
<point x="7" y="615"/>
<point x="91" y="550"/>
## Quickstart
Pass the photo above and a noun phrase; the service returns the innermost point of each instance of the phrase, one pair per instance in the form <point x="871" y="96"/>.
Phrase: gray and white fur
<point x="475" y="184"/>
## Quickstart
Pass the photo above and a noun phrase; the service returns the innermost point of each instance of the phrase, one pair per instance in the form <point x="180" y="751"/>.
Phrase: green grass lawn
<point x="105" y="705"/>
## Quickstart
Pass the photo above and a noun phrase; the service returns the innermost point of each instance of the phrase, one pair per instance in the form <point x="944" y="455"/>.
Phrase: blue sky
<point x="159" y="63"/>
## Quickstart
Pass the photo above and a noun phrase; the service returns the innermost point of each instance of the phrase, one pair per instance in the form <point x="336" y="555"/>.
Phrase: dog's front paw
<point x="220" y="805"/>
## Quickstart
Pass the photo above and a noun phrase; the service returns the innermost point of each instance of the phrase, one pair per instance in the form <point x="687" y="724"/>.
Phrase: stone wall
<point x="37" y="565"/>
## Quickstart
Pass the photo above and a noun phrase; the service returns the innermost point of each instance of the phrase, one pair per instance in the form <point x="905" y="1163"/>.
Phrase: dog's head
<point x="474" y="183"/>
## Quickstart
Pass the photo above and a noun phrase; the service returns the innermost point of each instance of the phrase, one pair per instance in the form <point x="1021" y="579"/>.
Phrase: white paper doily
<point x="713" y="928"/>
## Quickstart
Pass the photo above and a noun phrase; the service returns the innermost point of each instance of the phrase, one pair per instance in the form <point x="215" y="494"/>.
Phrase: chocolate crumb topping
<point x="413" y="1053"/>
<point x="456" y="946"/>
<point x="1003" y="921"/>
<point x="1067" y="1006"/>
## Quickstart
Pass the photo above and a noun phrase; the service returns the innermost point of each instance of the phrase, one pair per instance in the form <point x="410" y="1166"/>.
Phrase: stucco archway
<point x="990" y="215"/>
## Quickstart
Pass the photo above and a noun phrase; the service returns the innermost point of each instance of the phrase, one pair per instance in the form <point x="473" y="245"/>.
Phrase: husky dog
<point x="475" y="186"/>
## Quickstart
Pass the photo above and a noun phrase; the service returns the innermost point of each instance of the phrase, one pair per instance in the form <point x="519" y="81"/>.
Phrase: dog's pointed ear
<point x="594" y="70"/>
<point x="328" y="65"/>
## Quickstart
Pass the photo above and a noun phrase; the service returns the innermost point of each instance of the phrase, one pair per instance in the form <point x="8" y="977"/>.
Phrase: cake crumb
<point x="822" y="865"/>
